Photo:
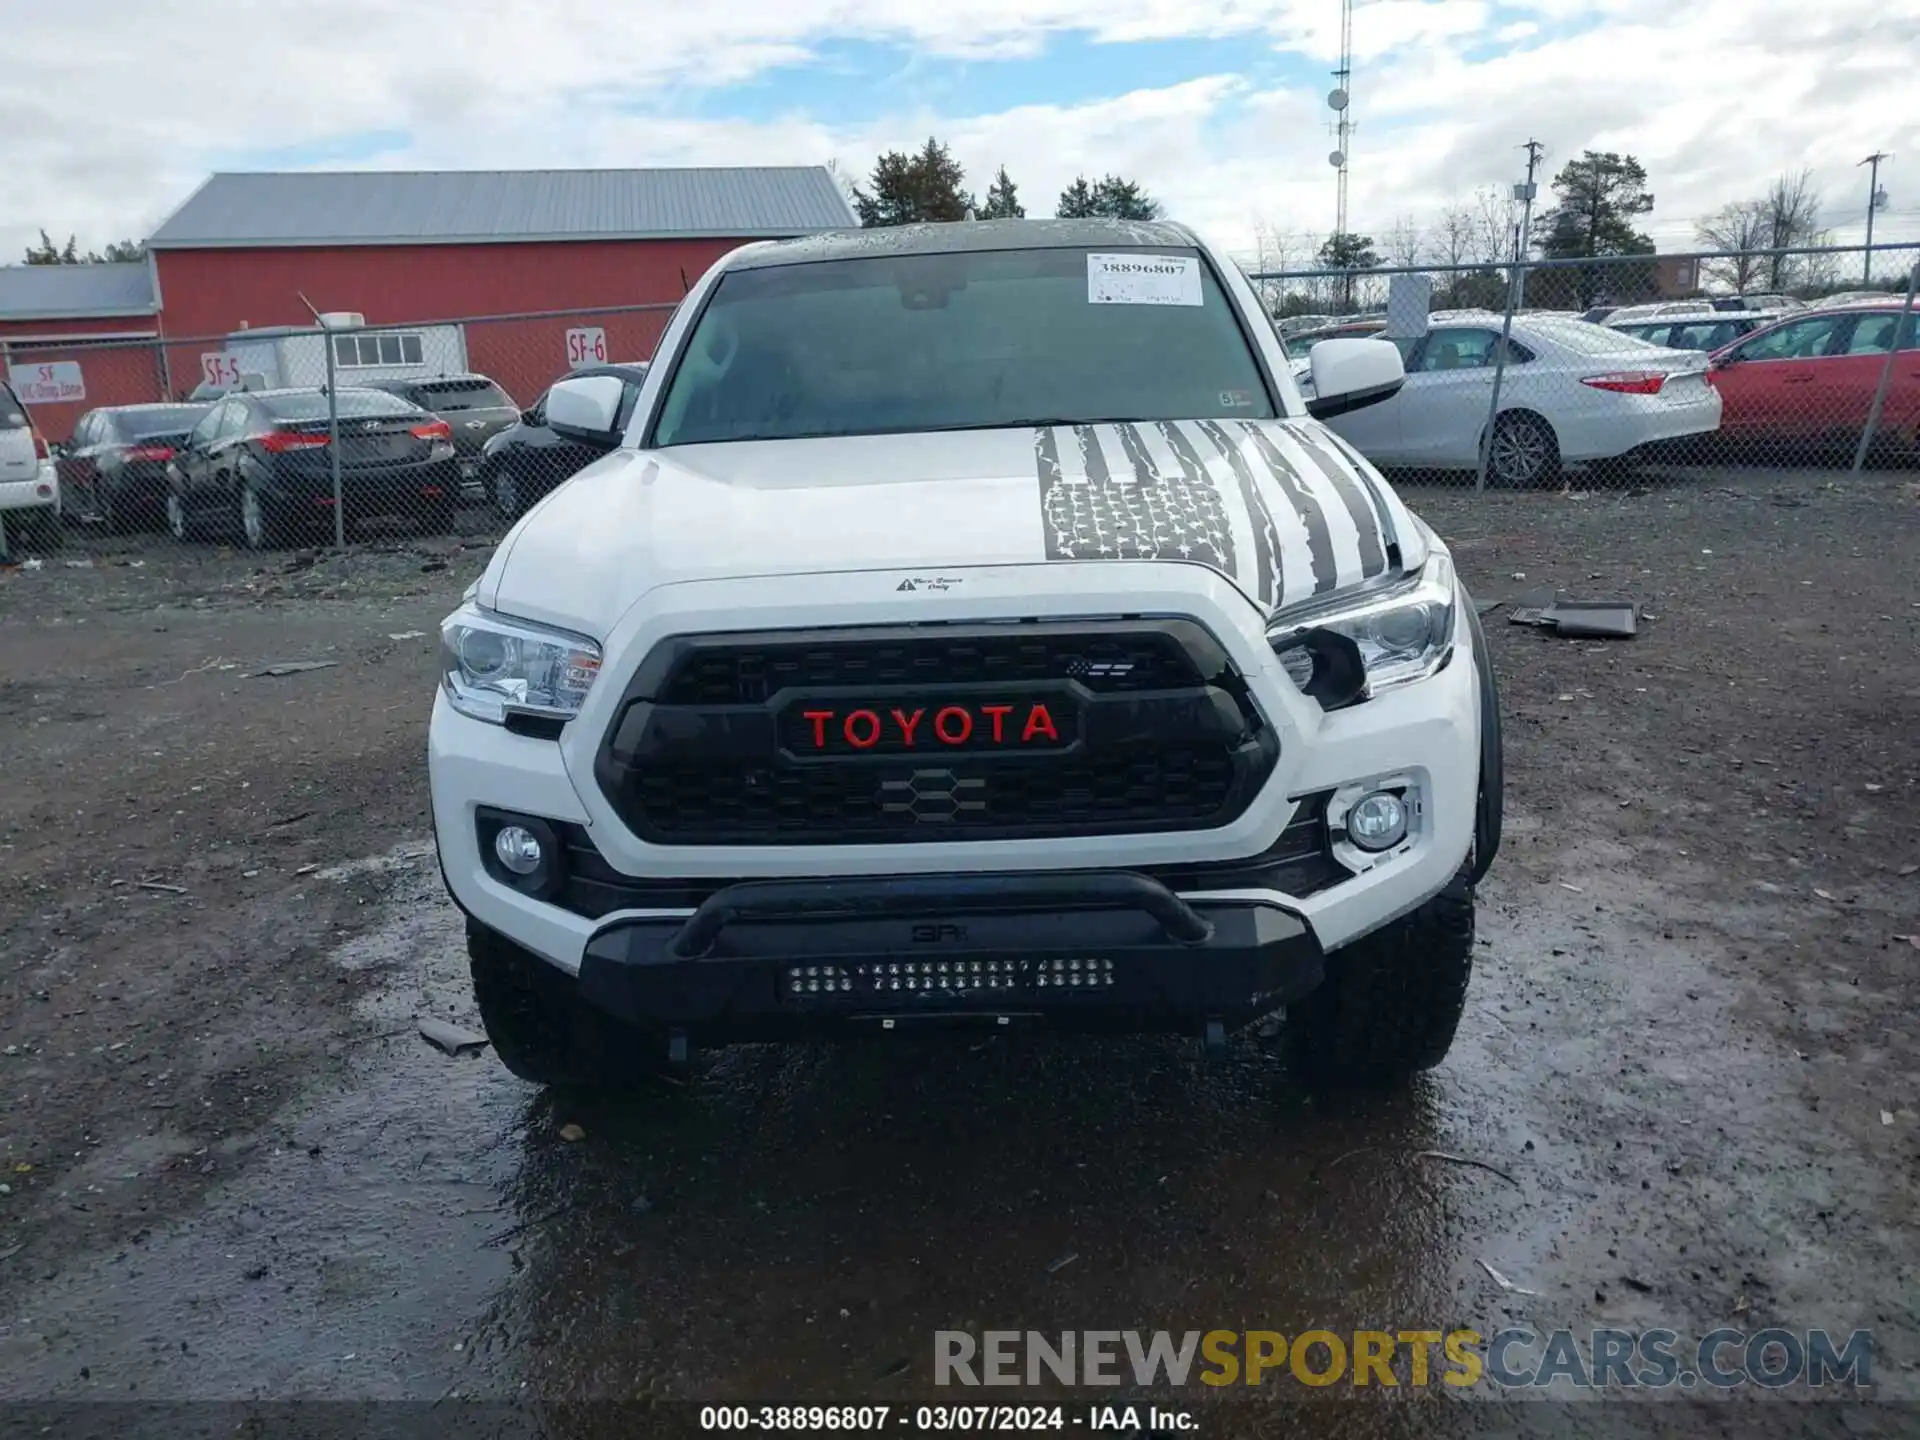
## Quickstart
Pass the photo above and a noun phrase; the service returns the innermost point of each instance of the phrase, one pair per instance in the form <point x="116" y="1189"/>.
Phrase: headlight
<point x="1345" y="649"/>
<point x="492" y="668"/>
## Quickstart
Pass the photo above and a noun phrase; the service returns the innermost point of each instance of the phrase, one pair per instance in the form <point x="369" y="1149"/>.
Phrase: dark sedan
<point x="475" y="408"/>
<point x="116" y="464"/>
<point x="527" y="460"/>
<point x="261" y="464"/>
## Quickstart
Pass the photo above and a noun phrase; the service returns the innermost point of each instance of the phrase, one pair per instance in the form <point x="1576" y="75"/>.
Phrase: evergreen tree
<point x="911" y="189"/>
<point x="1003" y="200"/>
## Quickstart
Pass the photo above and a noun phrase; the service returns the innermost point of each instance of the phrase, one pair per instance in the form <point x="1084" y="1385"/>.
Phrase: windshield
<point x="961" y="341"/>
<point x="452" y="396"/>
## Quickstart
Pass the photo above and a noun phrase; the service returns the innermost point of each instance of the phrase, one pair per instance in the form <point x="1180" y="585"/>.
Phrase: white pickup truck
<point x="970" y="625"/>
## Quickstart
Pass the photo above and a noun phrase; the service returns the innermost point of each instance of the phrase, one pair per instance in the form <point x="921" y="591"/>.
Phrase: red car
<point x="1806" y="382"/>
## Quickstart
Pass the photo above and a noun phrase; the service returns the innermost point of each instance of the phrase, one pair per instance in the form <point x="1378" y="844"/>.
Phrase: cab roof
<point x="955" y="237"/>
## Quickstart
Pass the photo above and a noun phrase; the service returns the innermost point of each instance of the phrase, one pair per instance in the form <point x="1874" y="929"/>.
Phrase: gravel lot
<point x="1691" y="1043"/>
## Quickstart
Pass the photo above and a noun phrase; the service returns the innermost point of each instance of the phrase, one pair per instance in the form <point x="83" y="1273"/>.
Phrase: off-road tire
<point x="1390" y="1002"/>
<point x="538" y="1024"/>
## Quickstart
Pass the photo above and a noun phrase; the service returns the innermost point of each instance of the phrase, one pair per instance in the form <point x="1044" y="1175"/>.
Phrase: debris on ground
<point x="1633" y="1282"/>
<point x="1886" y="1117"/>
<point x="294" y="667"/>
<point x="409" y="635"/>
<point x="450" y="1038"/>
<point x="1593" y="619"/>
<point x="1065" y="1260"/>
<point x="160" y="885"/>
<point x="1466" y="1160"/>
<point x="1504" y="1283"/>
<point x="571" y="1133"/>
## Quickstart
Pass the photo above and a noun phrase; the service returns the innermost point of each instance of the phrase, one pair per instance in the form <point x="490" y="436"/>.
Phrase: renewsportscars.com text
<point x="1511" y="1358"/>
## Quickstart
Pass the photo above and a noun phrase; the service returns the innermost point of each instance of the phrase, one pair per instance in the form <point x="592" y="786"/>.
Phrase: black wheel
<point x="184" y="523"/>
<point x="538" y="1024"/>
<point x="508" y="497"/>
<point x="263" y="523"/>
<point x="1524" y="452"/>
<point x="46" y="529"/>
<point x="1391" y="1002"/>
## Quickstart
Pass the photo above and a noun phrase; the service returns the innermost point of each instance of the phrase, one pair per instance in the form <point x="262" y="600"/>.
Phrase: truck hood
<point x="1280" y="507"/>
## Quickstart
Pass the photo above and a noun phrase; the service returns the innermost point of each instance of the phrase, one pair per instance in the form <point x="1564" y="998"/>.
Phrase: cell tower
<point x="1340" y="101"/>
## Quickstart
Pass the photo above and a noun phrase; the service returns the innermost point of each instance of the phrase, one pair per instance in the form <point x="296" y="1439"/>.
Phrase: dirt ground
<point x="1691" y="1045"/>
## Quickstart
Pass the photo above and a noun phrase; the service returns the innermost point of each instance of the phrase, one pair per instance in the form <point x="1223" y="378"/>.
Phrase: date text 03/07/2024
<point x="1120" y="1419"/>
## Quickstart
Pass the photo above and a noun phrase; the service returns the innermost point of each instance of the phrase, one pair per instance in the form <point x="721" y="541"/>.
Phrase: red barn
<point x="84" y="315"/>
<point x="404" y="247"/>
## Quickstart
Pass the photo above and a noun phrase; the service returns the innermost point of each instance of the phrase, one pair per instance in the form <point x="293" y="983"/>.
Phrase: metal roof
<point x="951" y="236"/>
<point x="449" y="207"/>
<point x="75" y="292"/>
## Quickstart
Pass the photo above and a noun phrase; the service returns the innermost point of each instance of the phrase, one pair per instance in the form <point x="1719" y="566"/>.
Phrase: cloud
<point x="1715" y="97"/>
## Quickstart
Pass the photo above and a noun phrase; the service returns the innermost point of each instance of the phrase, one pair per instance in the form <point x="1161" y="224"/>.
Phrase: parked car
<point x="1350" y="330"/>
<point x="1570" y="392"/>
<point x="30" y="502"/>
<point x="1595" y="314"/>
<point x="475" y="408"/>
<point x="972" y="623"/>
<point x="259" y="464"/>
<point x="1806" y="382"/>
<point x="528" y="459"/>
<point x="1707" y="330"/>
<point x="115" y="467"/>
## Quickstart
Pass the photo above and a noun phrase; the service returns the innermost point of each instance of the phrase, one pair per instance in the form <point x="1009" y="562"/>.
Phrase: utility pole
<point x="1875" y="199"/>
<point x="1523" y="234"/>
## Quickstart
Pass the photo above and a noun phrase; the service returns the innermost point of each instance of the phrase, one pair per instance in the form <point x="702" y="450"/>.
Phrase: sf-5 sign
<point x="55" y="382"/>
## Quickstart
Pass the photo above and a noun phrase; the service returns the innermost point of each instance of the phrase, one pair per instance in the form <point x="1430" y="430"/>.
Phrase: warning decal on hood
<point x="1265" y="503"/>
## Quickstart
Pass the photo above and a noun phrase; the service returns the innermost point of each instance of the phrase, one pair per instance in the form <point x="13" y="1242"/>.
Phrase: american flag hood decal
<point x="1277" y="506"/>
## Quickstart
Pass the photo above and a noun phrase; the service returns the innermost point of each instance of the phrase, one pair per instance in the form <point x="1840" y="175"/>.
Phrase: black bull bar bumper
<point x="1099" y="949"/>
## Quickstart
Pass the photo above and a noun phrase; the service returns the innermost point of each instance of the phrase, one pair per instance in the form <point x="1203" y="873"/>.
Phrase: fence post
<point x="1499" y="373"/>
<point x="333" y="444"/>
<point x="1901" y="331"/>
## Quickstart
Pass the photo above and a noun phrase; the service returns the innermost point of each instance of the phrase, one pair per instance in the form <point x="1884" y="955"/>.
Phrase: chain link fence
<point x="1590" y="373"/>
<point x="1584" y="373"/>
<point x="267" y="439"/>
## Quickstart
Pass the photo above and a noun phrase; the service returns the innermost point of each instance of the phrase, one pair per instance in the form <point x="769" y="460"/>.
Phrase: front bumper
<point x="1094" y="949"/>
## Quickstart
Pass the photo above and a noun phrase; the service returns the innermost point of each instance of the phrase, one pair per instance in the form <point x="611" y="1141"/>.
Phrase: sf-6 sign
<point x="587" y="346"/>
<point x="52" y="383"/>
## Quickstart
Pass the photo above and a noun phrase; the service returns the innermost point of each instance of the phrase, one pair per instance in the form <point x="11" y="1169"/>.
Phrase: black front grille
<point x="746" y="674"/>
<point x="1169" y="739"/>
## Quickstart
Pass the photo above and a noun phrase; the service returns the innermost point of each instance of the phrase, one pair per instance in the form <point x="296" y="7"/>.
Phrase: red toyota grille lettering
<point x="929" y="727"/>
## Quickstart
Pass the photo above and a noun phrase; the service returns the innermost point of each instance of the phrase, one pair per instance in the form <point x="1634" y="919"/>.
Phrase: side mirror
<point x="1352" y="374"/>
<point x="586" y="409"/>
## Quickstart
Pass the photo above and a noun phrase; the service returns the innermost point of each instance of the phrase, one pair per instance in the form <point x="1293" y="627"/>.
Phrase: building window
<point x="357" y="351"/>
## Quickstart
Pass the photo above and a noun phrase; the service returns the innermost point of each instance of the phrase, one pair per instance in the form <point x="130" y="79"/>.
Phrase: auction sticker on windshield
<point x="1143" y="279"/>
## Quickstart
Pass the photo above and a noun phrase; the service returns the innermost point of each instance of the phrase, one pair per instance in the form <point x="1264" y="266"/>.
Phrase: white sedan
<point x="1571" y="392"/>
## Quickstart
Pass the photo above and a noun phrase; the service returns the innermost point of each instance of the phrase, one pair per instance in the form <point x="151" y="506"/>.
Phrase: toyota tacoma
<point x="968" y="625"/>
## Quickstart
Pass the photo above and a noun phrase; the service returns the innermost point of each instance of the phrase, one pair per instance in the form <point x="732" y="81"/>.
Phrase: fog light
<point x="1377" y="821"/>
<point x="518" y="849"/>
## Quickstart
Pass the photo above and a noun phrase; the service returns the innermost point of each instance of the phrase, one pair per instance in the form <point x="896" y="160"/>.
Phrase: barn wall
<point x="213" y="292"/>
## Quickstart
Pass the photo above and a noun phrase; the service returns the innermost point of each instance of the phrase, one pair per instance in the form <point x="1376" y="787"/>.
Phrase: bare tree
<point x="1741" y="227"/>
<point x="1404" y="243"/>
<point x="1494" y="216"/>
<point x="1791" y="208"/>
<point x="1272" y="252"/>
<point x="1453" y="235"/>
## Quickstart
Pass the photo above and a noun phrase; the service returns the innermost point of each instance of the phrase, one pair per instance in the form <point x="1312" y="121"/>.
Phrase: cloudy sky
<point x="112" y="110"/>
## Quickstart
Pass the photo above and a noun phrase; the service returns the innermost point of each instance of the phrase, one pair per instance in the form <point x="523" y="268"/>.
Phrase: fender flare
<point x="1490" y="802"/>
